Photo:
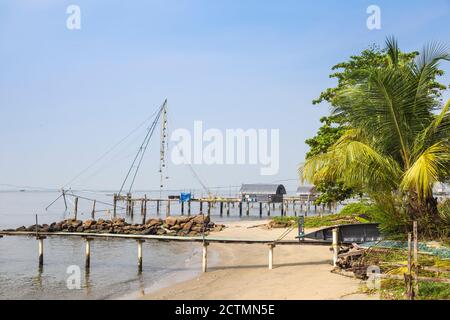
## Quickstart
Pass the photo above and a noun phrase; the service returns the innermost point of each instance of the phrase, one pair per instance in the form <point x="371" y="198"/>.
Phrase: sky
<point x="68" y="96"/>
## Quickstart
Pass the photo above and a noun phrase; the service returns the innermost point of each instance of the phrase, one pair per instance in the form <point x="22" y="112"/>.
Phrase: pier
<point x="140" y="239"/>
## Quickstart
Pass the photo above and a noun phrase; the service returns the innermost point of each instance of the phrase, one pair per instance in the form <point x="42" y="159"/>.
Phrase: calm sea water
<point x="113" y="273"/>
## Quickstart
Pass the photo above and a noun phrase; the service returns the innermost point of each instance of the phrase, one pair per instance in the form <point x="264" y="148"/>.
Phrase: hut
<point x="262" y="192"/>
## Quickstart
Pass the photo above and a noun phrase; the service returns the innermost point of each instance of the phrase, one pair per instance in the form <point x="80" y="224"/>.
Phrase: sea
<point x="113" y="273"/>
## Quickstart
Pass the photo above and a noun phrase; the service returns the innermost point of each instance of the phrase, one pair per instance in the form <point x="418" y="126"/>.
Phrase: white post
<point x="41" y="250"/>
<point x="140" y="255"/>
<point x="271" y="246"/>
<point x="88" y="253"/>
<point x="205" y="256"/>
<point x="335" y="246"/>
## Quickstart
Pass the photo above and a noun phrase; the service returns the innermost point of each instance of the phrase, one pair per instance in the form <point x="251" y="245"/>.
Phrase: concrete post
<point x="271" y="246"/>
<point x="205" y="256"/>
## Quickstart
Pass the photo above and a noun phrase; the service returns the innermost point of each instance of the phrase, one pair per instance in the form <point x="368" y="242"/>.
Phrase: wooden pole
<point x="335" y="246"/>
<point x="168" y="209"/>
<point x="132" y="208"/>
<point x="268" y="209"/>
<point x="157" y="207"/>
<point x="201" y="207"/>
<point x="408" y="278"/>
<point x="271" y="246"/>
<point x="205" y="256"/>
<point x="144" y="218"/>
<point x="189" y="207"/>
<point x="139" y="242"/>
<point x="260" y="209"/>
<point x="240" y="208"/>
<point x="64" y="197"/>
<point x="115" y="205"/>
<point x="221" y="208"/>
<point x="248" y="208"/>
<point x="93" y="210"/>
<point x="228" y="208"/>
<point x="209" y="208"/>
<point x="76" y="208"/>
<point x="182" y="208"/>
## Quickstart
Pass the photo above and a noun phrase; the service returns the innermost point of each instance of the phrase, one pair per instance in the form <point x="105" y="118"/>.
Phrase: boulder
<point x="77" y="223"/>
<point x="153" y="222"/>
<point x="89" y="223"/>
<point x="118" y="220"/>
<point x="171" y="221"/>
<point x="175" y="227"/>
<point x="199" y="219"/>
<point x="187" y="226"/>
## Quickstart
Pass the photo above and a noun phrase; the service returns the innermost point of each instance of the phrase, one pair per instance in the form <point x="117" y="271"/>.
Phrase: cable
<point x="141" y="148"/>
<point x="109" y="150"/>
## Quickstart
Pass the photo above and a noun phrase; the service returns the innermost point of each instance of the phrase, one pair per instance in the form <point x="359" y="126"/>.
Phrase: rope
<point x="142" y="149"/>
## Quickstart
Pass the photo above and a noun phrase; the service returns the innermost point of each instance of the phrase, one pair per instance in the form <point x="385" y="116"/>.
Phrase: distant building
<point x="441" y="191"/>
<point x="307" y="192"/>
<point x="262" y="192"/>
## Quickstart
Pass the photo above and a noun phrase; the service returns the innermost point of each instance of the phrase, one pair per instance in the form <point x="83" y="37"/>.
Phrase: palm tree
<point x="397" y="145"/>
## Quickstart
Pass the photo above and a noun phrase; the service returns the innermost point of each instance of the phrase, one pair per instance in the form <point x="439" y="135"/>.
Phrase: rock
<point x="218" y="228"/>
<point x="199" y="219"/>
<point x="153" y="222"/>
<point x="187" y="226"/>
<point x="197" y="228"/>
<point x="88" y="223"/>
<point x="118" y="220"/>
<point x="175" y="227"/>
<point x="80" y="229"/>
<point x="150" y="231"/>
<point x="160" y="231"/>
<point x="22" y="228"/>
<point x="171" y="221"/>
<point x="77" y="223"/>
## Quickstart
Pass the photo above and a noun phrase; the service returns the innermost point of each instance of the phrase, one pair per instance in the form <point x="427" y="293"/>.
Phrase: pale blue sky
<point x="67" y="96"/>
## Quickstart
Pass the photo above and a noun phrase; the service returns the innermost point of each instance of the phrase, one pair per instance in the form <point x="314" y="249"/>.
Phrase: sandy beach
<point x="241" y="271"/>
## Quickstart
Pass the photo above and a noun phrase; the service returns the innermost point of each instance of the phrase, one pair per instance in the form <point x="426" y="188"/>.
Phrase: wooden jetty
<point x="140" y="239"/>
<point x="294" y="205"/>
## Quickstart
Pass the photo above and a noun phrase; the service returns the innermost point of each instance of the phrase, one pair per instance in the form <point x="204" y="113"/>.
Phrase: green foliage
<point x="358" y="208"/>
<point x="349" y="214"/>
<point x="331" y="191"/>
<point x="444" y="210"/>
<point x="326" y="136"/>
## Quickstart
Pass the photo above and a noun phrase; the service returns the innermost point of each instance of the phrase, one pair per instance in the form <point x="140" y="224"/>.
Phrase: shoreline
<point x="191" y="272"/>
<point x="241" y="272"/>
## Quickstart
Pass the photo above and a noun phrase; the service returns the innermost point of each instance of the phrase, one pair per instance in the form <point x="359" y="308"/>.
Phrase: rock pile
<point x="179" y="226"/>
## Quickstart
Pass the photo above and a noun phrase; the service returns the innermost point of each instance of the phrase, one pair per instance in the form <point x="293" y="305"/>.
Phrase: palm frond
<point x="427" y="169"/>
